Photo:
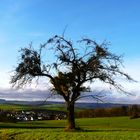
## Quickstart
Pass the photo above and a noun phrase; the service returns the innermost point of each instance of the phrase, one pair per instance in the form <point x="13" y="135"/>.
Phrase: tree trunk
<point x="70" y="116"/>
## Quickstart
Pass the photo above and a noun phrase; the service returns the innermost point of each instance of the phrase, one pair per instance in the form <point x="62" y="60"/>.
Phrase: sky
<point x="25" y="21"/>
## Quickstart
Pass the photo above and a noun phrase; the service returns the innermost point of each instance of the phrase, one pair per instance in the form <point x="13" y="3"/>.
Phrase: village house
<point x="33" y="115"/>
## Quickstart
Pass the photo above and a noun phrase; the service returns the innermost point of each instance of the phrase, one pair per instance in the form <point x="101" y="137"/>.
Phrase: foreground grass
<point x="117" y="128"/>
<point x="58" y="134"/>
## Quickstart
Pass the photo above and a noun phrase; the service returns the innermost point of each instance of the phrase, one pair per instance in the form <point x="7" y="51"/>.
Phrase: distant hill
<point x="78" y="105"/>
<point x="98" y="105"/>
<point x="2" y="101"/>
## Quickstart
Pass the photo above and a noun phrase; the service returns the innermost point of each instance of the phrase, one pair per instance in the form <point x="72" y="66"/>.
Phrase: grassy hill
<point x="14" y="107"/>
<point x="30" y="107"/>
<point x="83" y="105"/>
<point x="17" y="107"/>
<point x="115" y="128"/>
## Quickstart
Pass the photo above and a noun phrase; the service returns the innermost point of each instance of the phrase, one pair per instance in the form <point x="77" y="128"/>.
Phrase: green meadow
<point x="17" y="107"/>
<point x="14" y="107"/>
<point x="111" y="128"/>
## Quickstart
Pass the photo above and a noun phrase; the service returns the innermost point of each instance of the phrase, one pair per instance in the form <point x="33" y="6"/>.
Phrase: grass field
<point x="17" y="107"/>
<point x="14" y="107"/>
<point x="114" y="128"/>
<point x="29" y="107"/>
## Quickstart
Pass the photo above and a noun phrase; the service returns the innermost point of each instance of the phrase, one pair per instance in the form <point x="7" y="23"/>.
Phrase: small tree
<point x="71" y="69"/>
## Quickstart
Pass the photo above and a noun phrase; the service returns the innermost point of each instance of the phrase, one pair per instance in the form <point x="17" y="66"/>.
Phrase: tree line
<point x="133" y="111"/>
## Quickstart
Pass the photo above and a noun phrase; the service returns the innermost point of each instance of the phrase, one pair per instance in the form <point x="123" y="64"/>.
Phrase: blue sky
<point x="23" y="21"/>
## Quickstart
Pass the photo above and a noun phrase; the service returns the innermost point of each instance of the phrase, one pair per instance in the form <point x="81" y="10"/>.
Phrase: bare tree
<point x="72" y="67"/>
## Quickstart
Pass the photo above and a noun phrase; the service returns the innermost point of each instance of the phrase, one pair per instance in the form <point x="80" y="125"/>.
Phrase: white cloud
<point x="133" y="68"/>
<point x="4" y="79"/>
<point x="40" y="91"/>
<point x="28" y="95"/>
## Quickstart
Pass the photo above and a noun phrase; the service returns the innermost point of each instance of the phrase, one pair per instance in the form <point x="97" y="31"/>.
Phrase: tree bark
<point x="70" y="116"/>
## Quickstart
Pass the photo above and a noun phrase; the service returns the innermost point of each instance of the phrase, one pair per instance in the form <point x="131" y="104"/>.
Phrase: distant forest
<point x="133" y="111"/>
